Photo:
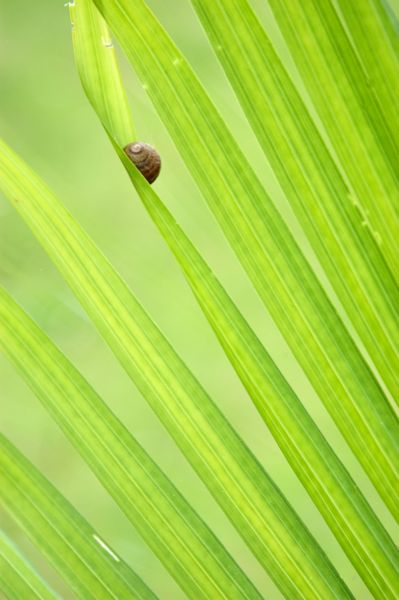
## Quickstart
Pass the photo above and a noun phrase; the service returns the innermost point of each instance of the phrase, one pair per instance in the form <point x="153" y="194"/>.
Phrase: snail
<point x="146" y="159"/>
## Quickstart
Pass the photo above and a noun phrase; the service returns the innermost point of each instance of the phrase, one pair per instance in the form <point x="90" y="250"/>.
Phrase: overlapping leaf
<point x="18" y="579"/>
<point x="181" y="540"/>
<point x="249" y="498"/>
<point x="310" y="178"/>
<point x="286" y="284"/>
<point x="345" y="100"/>
<point x="86" y="562"/>
<point x="314" y="462"/>
<point x="263" y="243"/>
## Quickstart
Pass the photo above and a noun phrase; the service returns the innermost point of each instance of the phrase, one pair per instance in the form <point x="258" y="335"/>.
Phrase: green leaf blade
<point x="18" y="579"/>
<point x="331" y="488"/>
<point x="310" y="178"/>
<point x="96" y="49"/>
<point x="180" y="539"/>
<point x="265" y="247"/>
<point x="349" y="112"/>
<point x="249" y="498"/>
<point x="377" y="45"/>
<point x="92" y="570"/>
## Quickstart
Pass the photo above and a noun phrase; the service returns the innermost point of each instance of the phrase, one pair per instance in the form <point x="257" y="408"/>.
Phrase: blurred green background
<point x="45" y="117"/>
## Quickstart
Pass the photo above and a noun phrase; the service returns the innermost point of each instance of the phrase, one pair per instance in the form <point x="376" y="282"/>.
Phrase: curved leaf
<point x="322" y="474"/>
<point x="264" y="245"/>
<point x="249" y="498"/>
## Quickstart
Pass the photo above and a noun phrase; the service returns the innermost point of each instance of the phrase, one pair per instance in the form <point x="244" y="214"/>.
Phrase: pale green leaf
<point x="311" y="180"/>
<point x="18" y="579"/>
<point x="180" y="539"/>
<point x="249" y="498"/>
<point x="325" y="478"/>
<point x="67" y="540"/>
<point x="377" y="45"/>
<point x="264" y="245"/>
<point x="346" y="104"/>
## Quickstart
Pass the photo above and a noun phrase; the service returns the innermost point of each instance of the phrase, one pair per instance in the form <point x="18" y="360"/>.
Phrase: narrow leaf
<point x="180" y="539"/>
<point x="310" y="178"/>
<point x="264" y="244"/>
<point x="67" y="540"/>
<point x="18" y="579"/>
<point x="340" y="91"/>
<point x="249" y="498"/>
<point x="325" y="478"/>
<point x="377" y="45"/>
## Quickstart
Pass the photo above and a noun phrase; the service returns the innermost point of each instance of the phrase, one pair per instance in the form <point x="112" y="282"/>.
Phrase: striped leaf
<point x="264" y="244"/>
<point x="310" y="178"/>
<point x="351" y="115"/>
<point x="181" y="540"/>
<point x="67" y="540"/>
<point x="249" y="498"/>
<point x="320" y="471"/>
<point x="18" y="579"/>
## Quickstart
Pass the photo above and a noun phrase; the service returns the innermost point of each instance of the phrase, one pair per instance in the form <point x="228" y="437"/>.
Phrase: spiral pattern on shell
<point x="146" y="159"/>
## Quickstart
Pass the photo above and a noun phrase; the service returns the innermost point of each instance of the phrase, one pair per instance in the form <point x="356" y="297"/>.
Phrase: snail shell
<point x="146" y="159"/>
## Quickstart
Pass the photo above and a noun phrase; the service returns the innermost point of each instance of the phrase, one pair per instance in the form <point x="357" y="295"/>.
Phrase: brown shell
<point x="146" y="159"/>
